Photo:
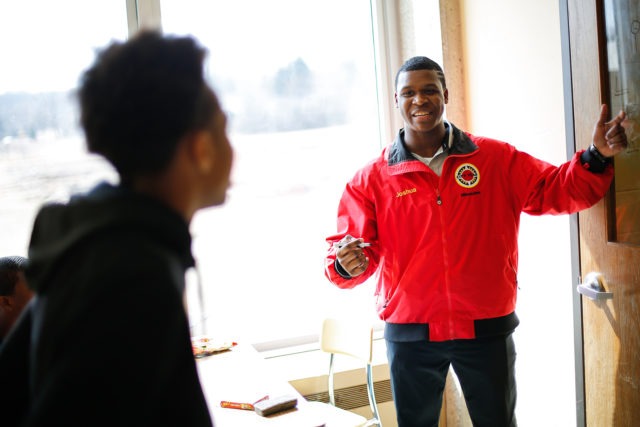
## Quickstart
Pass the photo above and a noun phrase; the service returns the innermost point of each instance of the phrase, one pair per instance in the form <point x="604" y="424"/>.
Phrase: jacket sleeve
<point x="565" y="189"/>
<point x="356" y="217"/>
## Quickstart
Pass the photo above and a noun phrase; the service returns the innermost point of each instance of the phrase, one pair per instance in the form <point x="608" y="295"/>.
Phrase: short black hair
<point x="421" y="63"/>
<point x="10" y="266"/>
<point x="140" y="97"/>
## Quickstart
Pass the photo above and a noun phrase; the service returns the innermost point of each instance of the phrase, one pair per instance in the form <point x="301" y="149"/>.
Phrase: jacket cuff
<point x="592" y="160"/>
<point x="340" y="270"/>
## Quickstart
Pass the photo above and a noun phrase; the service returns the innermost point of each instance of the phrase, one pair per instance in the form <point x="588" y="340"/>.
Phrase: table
<point x="242" y="375"/>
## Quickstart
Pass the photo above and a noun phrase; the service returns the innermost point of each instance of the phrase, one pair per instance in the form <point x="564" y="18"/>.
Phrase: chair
<point x="354" y="339"/>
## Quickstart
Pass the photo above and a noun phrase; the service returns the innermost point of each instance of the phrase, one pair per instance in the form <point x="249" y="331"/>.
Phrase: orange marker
<point x="236" y="405"/>
<point x="241" y="405"/>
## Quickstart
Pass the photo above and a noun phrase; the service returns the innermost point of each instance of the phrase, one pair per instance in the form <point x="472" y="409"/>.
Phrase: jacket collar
<point x="454" y="142"/>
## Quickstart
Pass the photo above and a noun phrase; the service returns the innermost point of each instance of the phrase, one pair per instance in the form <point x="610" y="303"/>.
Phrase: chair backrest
<point x="355" y="339"/>
<point x="345" y="336"/>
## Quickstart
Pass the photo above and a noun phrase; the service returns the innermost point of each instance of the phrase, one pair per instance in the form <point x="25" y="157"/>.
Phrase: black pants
<point x="484" y="366"/>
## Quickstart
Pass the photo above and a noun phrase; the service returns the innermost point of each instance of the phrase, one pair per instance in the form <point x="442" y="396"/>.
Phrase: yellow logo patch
<point x="467" y="175"/>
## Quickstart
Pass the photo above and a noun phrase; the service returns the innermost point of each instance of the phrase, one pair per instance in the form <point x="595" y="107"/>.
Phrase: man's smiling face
<point x="421" y="98"/>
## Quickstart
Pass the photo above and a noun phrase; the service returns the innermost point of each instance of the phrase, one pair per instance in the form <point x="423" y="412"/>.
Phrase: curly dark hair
<point x="10" y="266"/>
<point x="141" y="97"/>
<point x="422" y="63"/>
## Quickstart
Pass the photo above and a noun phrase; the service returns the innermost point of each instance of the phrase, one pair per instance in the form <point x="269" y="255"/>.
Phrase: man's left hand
<point x="610" y="137"/>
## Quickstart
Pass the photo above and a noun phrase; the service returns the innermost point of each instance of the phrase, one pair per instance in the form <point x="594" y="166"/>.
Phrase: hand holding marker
<point x="350" y="256"/>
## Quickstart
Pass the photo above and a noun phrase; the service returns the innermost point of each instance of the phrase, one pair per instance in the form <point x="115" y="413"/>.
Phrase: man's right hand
<point x="351" y="256"/>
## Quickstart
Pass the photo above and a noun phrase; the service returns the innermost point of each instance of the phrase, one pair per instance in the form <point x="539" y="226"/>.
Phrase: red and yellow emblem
<point x="467" y="175"/>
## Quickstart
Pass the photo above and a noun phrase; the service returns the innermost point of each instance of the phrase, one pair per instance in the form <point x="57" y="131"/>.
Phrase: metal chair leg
<point x="372" y="398"/>
<point x="332" y="397"/>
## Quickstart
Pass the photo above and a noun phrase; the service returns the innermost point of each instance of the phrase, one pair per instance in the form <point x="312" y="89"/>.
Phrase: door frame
<point x="574" y="233"/>
<point x="574" y="230"/>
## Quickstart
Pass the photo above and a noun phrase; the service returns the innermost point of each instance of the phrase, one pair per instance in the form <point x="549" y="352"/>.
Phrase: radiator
<point x="355" y="396"/>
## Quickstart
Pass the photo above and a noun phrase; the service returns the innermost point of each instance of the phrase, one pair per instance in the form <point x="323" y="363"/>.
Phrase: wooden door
<point x="604" y="45"/>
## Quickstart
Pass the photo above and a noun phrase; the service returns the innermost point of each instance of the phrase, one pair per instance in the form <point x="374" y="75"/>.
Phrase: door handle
<point x="593" y="287"/>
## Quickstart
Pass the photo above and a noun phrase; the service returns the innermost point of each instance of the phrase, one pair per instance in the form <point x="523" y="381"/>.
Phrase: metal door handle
<point x="593" y="287"/>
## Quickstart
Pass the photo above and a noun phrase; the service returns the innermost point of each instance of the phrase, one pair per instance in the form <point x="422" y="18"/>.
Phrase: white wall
<point x="515" y="93"/>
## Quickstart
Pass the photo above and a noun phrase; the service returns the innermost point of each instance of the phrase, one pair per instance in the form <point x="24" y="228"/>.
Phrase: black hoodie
<point x="109" y="338"/>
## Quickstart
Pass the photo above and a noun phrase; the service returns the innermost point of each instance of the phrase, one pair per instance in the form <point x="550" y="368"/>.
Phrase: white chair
<point x="353" y="339"/>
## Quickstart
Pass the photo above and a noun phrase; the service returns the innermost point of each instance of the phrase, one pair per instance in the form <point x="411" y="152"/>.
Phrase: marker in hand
<point x="348" y="239"/>
<point x="340" y="245"/>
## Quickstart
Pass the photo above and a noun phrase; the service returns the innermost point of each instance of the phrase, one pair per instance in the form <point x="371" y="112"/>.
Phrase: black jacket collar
<point x="460" y="144"/>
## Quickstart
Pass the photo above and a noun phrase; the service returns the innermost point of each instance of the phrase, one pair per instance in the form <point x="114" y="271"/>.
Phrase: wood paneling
<point x="453" y="63"/>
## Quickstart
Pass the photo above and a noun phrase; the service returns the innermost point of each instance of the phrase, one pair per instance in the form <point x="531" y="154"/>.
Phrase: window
<point x="42" y="152"/>
<point x="297" y="80"/>
<point x="624" y="70"/>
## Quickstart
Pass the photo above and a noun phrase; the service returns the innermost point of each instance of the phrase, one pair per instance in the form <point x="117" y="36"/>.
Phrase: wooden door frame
<point x="595" y="89"/>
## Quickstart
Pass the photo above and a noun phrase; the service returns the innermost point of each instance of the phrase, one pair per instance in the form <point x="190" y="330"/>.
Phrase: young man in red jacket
<point x="436" y="217"/>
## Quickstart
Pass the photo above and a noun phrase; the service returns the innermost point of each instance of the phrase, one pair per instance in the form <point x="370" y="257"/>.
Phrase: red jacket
<point x="445" y="248"/>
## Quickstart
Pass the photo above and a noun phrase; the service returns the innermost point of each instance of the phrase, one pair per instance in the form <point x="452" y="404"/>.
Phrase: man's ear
<point x="446" y="96"/>
<point x="395" y="98"/>
<point x="202" y="150"/>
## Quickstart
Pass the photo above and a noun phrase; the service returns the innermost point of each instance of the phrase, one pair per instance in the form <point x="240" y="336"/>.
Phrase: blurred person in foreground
<point x="109" y="342"/>
<point x="441" y="209"/>
<point x="14" y="292"/>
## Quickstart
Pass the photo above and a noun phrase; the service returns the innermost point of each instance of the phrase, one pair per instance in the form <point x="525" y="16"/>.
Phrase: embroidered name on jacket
<point x="405" y="192"/>
<point x="467" y="175"/>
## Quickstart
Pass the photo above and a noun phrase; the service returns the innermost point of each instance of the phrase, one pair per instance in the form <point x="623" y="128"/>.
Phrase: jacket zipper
<point x="445" y="259"/>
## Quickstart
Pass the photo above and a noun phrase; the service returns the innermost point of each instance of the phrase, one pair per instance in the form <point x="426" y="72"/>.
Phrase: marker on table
<point x="241" y="405"/>
<point x="236" y="405"/>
